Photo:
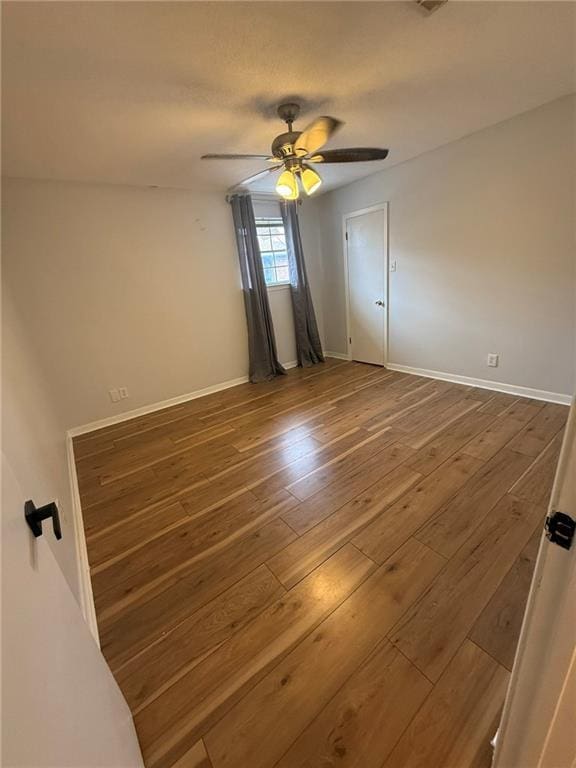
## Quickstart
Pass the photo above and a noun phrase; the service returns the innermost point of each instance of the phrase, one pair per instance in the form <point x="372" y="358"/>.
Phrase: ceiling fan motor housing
<point x="283" y="145"/>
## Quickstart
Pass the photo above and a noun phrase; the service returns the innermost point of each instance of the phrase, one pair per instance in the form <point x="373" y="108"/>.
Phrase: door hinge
<point x="346" y="234"/>
<point x="560" y="529"/>
<point x="349" y="339"/>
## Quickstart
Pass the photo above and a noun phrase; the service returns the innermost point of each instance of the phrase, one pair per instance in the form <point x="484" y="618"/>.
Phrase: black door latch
<point x="34" y="516"/>
<point x="560" y="529"/>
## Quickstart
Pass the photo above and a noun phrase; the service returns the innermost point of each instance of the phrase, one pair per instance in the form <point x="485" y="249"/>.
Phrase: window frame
<point x="268" y="222"/>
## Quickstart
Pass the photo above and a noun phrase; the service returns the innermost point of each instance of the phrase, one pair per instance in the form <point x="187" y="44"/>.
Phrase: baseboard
<point x="84" y="579"/>
<point x="110" y="421"/>
<point x="83" y="565"/>
<point x="498" y="386"/>
<point x="337" y="355"/>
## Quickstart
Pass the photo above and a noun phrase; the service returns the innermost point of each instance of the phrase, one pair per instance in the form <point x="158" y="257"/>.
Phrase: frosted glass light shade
<point x="287" y="186"/>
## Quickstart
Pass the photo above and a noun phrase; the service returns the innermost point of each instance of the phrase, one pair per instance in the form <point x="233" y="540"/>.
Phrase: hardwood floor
<point x="326" y="569"/>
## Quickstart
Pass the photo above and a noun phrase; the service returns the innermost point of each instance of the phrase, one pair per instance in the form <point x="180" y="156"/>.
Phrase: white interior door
<point x="367" y="248"/>
<point x="60" y="704"/>
<point x="537" y="727"/>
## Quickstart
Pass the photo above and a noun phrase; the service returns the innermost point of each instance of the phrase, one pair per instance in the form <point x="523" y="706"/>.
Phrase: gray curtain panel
<point x="261" y="342"/>
<point x="308" y="346"/>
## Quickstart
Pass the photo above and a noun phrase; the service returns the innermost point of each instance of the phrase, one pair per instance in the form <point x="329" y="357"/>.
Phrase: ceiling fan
<point x="293" y="152"/>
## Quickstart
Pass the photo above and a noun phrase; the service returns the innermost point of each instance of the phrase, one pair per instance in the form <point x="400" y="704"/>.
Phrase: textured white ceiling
<point x="134" y="93"/>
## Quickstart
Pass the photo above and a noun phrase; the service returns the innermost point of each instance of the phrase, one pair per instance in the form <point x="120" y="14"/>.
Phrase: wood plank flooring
<point x="326" y="569"/>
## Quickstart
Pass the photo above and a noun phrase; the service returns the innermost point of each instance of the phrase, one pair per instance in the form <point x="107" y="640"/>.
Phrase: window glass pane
<point x="267" y="260"/>
<point x="281" y="259"/>
<point x="264" y="242"/>
<point x="272" y="243"/>
<point x="282" y="273"/>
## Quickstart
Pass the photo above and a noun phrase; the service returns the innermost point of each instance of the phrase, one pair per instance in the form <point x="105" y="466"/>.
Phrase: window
<point x="272" y="242"/>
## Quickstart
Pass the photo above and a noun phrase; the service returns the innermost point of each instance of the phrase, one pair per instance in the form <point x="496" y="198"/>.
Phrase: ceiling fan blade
<point x="259" y="175"/>
<point x="316" y="135"/>
<point x="349" y="155"/>
<point x="237" y="157"/>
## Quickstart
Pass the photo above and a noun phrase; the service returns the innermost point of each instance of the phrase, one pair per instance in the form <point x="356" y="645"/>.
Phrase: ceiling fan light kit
<point x="310" y="180"/>
<point x="287" y="185"/>
<point x="292" y="151"/>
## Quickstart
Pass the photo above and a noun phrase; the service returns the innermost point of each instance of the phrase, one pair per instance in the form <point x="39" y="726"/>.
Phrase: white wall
<point x="60" y="703"/>
<point x="482" y="231"/>
<point x="131" y="287"/>
<point x="33" y="433"/>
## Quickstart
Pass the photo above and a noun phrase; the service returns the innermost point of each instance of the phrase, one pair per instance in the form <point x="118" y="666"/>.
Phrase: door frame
<point x="386" y="314"/>
<point x="539" y="688"/>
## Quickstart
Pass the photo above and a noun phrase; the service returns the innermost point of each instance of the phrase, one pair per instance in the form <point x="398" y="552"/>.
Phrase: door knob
<point x="34" y="516"/>
<point x="379" y="303"/>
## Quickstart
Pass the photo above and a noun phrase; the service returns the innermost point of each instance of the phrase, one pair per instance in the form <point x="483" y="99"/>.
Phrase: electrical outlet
<point x="123" y="392"/>
<point x="493" y="360"/>
<point x="114" y="395"/>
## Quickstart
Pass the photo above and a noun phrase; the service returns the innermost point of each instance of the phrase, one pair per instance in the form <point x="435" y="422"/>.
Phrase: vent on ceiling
<point x="431" y="5"/>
